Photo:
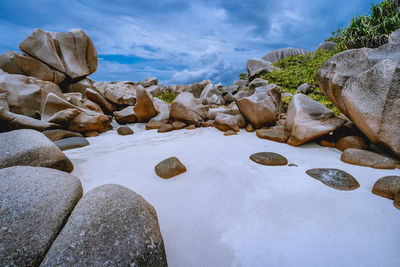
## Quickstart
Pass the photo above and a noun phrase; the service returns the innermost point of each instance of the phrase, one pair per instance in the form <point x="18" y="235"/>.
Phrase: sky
<point x="179" y="41"/>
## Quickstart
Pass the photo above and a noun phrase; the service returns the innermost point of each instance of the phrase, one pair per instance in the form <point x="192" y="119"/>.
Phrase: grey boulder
<point x="110" y="226"/>
<point x="282" y="53"/>
<point x="31" y="148"/>
<point x="188" y="109"/>
<point x="35" y="204"/>
<point x="365" y="85"/>
<point x="71" y="142"/>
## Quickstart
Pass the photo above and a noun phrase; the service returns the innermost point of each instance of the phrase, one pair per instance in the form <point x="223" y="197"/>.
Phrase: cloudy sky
<point x="180" y="41"/>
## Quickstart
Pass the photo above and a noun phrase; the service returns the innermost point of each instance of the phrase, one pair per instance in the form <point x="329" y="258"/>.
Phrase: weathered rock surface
<point x="388" y="187"/>
<point x="303" y="89"/>
<point x="169" y="168"/>
<point x="165" y="128"/>
<point x="119" y="93"/>
<point x="269" y="159"/>
<point x="149" y="82"/>
<point x="249" y="128"/>
<point x="59" y="134"/>
<point x="334" y="178"/>
<point x="124" y="130"/>
<point x="282" y="53"/>
<point x="351" y="142"/>
<point x="327" y="45"/>
<point x="261" y="108"/>
<point x="365" y="85"/>
<point x="81" y="86"/>
<point x="71" y="142"/>
<point x="26" y="95"/>
<point x="226" y="122"/>
<point x="10" y="121"/>
<point x="14" y="63"/>
<point x="163" y="109"/>
<point x="367" y="158"/>
<point x="35" y="203"/>
<point x="212" y="95"/>
<point x="91" y="133"/>
<point x="178" y="125"/>
<point x="275" y="133"/>
<point x="71" y="53"/>
<point x="31" y="148"/>
<point x="230" y="132"/>
<point x="86" y="120"/>
<point x="99" y="99"/>
<point x="257" y="82"/>
<point x="110" y="226"/>
<point x="151" y="125"/>
<point x="188" y="109"/>
<point x="308" y="119"/>
<point x="144" y="107"/>
<point x="125" y="116"/>
<point x="257" y="68"/>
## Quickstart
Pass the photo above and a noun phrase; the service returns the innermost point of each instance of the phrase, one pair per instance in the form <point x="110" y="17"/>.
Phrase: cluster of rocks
<point x="45" y="220"/>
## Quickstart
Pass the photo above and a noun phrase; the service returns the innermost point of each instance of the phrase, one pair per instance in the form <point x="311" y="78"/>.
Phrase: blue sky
<point x="180" y="41"/>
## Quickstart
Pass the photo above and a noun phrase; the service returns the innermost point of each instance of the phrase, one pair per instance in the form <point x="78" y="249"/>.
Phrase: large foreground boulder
<point x="365" y="85"/>
<point x="14" y="63"/>
<point x="31" y="148"/>
<point x="110" y="226"/>
<point x="388" y="187"/>
<point x="71" y="53"/>
<point x="308" y="119"/>
<point x="188" y="109"/>
<point x="261" y="108"/>
<point x="35" y="204"/>
<point x="26" y="95"/>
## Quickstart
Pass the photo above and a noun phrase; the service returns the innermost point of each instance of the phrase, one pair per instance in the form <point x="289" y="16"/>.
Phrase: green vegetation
<point x="370" y="30"/>
<point x="286" y="101"/>
<point x="243" y="76"/>
<point x="300" y="69"/>
<point x="167" y="96"/>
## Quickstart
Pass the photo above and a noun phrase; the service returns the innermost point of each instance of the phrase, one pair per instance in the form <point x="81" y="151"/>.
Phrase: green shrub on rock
<point x="167" y="96"/>
<point x="296" y="70"/>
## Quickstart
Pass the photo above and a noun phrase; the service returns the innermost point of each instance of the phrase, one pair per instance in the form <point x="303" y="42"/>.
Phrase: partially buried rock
<point x="55" y="135"/>
<point x="351" y="142"/>
<point x="388" y="187"/>
<point x="151" y="125"/>
<point x="71" y="142"/>
<point x="276" y="133"/>
<point x="230" y="132"/>
<point x="31" y="148"/>
<point x="208" y="123"/>
<point x="91" y="134"/>
<point x="178" y="125"/>
<point x="110" y="226"/>
<point x="124" y="130"/>
<point x="191" y="127"/>
<point x="269" y="159"/>
<point x="35" y="203"/>
<point x="169" y="168"/>
<point x="367" y="158"/>
<point x="165" y="128"/>
<point x="334" y="178"/>
<point x="249" y="128"/>
<point x="225" y="122"/>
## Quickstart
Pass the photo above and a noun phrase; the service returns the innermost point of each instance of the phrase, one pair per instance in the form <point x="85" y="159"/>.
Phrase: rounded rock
<point x="388" y="187"/>
<point x="334" y="178"/>
<point x="169" y="168"/>
<point x="124" y="130"/>
<point x="269" y="159"/>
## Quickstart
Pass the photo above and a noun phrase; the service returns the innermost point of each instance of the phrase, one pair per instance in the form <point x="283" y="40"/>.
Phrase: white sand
<point x="229" y="211"/>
